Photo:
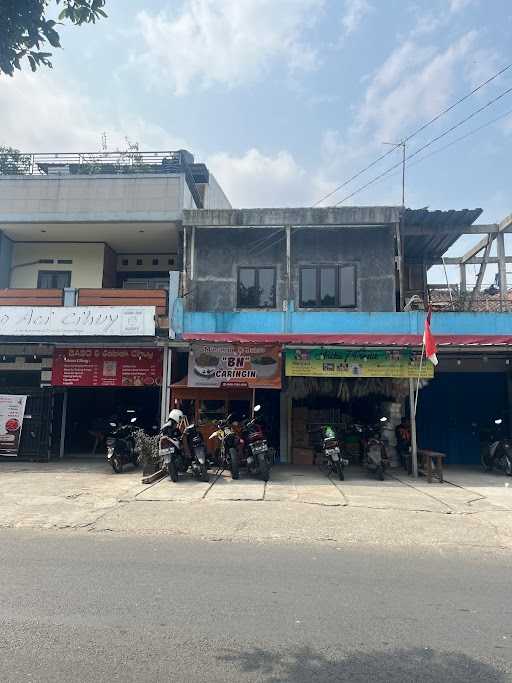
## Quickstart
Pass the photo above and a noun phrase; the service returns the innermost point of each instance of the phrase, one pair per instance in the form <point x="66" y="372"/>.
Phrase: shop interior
<point x="90" y="409"/>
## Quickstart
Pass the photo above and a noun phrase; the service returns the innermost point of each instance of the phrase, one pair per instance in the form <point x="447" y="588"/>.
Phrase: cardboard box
<point x="302" y="456"/>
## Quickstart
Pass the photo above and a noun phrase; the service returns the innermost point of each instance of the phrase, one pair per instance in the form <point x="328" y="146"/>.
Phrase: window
<point x="53" y="279"/>
<point x="328" y="287"/>
<point x="256" y="287"/>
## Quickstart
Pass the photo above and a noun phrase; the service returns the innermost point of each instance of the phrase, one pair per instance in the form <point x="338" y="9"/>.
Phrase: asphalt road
<point x="104" y="607"/>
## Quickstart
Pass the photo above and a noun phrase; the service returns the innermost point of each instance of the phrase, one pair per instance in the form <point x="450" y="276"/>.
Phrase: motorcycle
<point x="330" y="452"/>
<point x="173" y="454"/>
<point x="499" y="453"/>
<point x="374" y="455"/>
<point x="255" y="453"/>
<point x="227" y="457"/>
<point x="197" y="450"/>
<point x="121" y="448"/>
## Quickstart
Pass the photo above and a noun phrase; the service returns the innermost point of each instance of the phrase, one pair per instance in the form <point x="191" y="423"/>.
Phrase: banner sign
<point x="77" y="367"/>
<point x="340" y="362"/>
<point x="236" y="365"/>
<point x="12" y="410"/>
<point x="115" y="321"/>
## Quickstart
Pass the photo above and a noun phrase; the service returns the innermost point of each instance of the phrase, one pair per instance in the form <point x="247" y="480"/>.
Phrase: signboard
<point x="242" y="365"/>
<point x="115" y="321"/>
<point x="340" y="362"/>
<point x="12" y="410"/>
<point x="76" y="367"/>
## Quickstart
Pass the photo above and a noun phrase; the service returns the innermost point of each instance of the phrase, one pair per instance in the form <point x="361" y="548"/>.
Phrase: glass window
<point x="256" y="287"/>
<point x="53" y="279"/>
<point x="308" y="287"/>
<point x="347" y="292"/>
<point x="328" y="287"/>
<point x="211" y="411"/>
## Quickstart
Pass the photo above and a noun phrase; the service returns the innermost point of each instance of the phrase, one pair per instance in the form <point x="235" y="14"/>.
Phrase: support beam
<point x="456" y="261"/>
<point x="502" y="268"/>
<point x="481" y="272"/>
<point x="420" y="230"/>
<point x="475" y="250"/>
<point x="463" y="281"/>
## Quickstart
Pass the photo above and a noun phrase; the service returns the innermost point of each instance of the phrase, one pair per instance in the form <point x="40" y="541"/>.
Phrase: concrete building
<point x="90" y="252"/>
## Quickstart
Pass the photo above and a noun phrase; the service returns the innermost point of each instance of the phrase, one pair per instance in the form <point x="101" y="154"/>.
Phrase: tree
<point x="24" y="29"/>
<point x="13" y="162"/>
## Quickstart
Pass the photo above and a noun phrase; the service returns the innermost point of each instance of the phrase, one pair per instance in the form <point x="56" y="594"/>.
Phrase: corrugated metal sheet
<point x="450" y="224"/>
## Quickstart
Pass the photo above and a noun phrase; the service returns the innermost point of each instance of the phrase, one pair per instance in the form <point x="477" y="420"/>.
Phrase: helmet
<point x="176" y="415"/>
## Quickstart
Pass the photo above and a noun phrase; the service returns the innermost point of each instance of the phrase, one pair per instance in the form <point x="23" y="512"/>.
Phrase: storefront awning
<point x="402" y="340"/>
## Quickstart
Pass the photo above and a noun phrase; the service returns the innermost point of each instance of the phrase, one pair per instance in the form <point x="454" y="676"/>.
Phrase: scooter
<point x="197" y="451"/>
<point x="374" y="455"/>
<point x="121" y="448"/>
<point x="255" y="453"/>
<point x="170" y="447"/>
<point x="330" y="452"/>
<point x="498" y="456"/>
<point x="229" y="444"/>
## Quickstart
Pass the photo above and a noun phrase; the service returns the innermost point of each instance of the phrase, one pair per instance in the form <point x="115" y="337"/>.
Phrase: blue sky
<point x="285" y="99"/>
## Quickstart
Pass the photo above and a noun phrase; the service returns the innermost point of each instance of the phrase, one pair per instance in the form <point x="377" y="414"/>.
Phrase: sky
<point x="285" y="100"/>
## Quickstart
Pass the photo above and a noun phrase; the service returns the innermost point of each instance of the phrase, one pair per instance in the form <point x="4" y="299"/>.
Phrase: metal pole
<point x="163" y="393"/>
<point x="403" y="173"/>
<point x="63" y="423"/>
<point x="414" y="444"/>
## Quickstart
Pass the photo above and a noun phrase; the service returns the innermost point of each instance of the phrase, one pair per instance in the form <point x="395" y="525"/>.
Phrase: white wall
<point x="215" y="197"/>
<point x="86" y="269"/>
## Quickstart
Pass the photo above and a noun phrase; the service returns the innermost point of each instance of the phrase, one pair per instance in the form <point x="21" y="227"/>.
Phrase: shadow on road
<point x="417" y="664"/>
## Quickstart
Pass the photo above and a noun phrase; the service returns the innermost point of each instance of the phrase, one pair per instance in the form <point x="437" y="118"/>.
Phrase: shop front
<point x="98" y="383"/>
<point x="224" y="379"/>
<point x="348" y="387"/>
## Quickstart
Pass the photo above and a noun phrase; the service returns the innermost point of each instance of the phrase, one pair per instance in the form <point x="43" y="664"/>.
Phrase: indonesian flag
<point x="429" y="340"/>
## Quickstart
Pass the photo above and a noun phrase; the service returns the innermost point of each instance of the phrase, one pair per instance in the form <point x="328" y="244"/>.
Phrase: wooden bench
<point x="430" y="460"/>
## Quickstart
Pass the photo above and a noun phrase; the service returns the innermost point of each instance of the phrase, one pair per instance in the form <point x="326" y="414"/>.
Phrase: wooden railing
<point x="124" y="297"/>
<point x="31" y="297"/>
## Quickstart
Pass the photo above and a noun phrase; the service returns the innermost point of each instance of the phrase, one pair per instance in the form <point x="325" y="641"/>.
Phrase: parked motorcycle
<point x="121" y="448"/>
<point x="255" y="453"/>
<point x="374" y="454"/>
<point x="197" y="451"/>
<point x="174" y="456"/>
<point x="498" y="455"/>
<point x="330" y="452"/>
<point x="229" y="444"/>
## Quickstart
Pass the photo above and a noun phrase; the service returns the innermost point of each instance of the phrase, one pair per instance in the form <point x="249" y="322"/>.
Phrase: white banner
<point x="12" y="410"/>
<point x="112" y="321"/>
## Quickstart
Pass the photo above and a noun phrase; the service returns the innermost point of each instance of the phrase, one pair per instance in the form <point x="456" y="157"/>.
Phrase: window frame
<point x="256" y="284"/>
<point x="318" y="268"/>
<point x="41" y="273"/>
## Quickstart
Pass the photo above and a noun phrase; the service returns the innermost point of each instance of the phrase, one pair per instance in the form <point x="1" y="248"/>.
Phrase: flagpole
<point x="419" y="376"/>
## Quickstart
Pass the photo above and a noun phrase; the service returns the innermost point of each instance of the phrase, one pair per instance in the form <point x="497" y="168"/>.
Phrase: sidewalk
<point x="298" y="505"/>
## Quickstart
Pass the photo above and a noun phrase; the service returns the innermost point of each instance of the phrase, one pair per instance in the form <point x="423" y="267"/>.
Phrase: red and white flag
<point x="429" y="340"/>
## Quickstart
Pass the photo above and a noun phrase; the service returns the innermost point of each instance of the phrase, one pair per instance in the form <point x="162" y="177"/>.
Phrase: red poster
<point x="79" y="367"/>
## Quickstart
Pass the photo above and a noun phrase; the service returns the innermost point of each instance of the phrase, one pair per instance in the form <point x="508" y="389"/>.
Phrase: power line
<point x="428" y="144"/>
<point x="416" y="132"/>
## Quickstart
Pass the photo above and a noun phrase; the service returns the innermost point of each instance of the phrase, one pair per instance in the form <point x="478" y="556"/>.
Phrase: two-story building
<point x="309" y="312"/>
<point x="90" y="252"/>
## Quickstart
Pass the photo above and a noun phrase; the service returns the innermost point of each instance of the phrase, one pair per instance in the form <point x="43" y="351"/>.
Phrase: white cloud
<point x="44" y="112"/>
<point x="226" y="41"/>
<point x="257" y="180"/>
<point x="354" y="13"/>
<point x="459" y="5"/>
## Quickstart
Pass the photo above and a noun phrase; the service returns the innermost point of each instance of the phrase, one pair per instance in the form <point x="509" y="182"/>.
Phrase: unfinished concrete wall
<point x="219" y="252"/>
<point x="5" y="260"/>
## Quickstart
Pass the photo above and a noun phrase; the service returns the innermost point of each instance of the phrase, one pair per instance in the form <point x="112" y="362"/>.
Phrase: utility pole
<point x="403" y="145"/>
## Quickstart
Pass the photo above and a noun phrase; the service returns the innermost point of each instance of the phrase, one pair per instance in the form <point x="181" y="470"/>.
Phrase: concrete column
<point x="165" y="395"/>
<point x="284" y="417"/>
<point x="63" y="423"/>
<point x="463" y="282"/>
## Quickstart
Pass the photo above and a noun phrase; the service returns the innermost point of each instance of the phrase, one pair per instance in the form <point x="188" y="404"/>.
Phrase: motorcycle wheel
<point x="264" y="470"/>
<point x="235" y="468"/>
<point x="339" y="470"/>
<point x="380" y="473"/>
<point x="508" y="467"/>
<point x="203" y="474"/>
<point x="173" y="472"/>
<point x="117" y="465"/>
<point x="485" y="463"/>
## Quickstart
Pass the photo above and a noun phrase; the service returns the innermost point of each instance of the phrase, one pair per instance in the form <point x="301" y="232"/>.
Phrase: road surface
<point x="106" y="607"/>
